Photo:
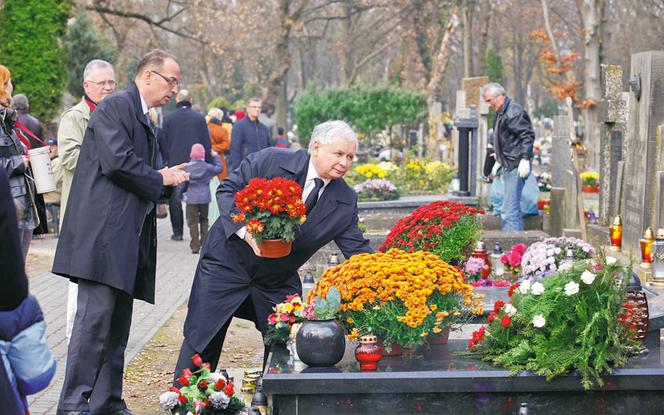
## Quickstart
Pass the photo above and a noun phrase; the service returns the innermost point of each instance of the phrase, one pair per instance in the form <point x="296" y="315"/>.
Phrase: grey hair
<point x="95" y="64"/>
<point x="325" y="132"/>
<point x="494" y="89"/>
<point x="20" y="102"/>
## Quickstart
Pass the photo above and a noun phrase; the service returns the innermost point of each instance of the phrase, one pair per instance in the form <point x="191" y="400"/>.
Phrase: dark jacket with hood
<point x="513" y="135"/>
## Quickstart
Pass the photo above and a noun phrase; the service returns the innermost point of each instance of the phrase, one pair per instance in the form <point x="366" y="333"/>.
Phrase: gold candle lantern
<point x="615" y="233"/>
<point x="646" y="247"/>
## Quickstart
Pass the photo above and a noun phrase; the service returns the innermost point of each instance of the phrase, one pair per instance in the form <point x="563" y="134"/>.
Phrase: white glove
<point x="494" y="170"/>
<point x="524" y="168"/>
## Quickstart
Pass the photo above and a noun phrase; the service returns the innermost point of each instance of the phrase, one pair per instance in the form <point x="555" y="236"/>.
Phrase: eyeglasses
<point x="171" y="81"/>
<point x="103" y="83"/>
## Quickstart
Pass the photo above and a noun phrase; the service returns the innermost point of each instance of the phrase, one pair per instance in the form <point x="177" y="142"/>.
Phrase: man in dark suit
<point x="248" y="135"/>
<point x="182" y="128"/>
<point x="232" y="279"/>
<point x="108" y="242"/>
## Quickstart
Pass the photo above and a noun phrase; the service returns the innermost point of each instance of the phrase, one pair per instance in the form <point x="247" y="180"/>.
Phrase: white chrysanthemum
<point x="611" y="260"/>
<point x="524" y="287"/>
<point x="168" y="400"/>
<point x="565" y="266"/>
<point x="219" y="400"/>
<point x="588" y="277"/>
<point x="537" y="288"/>
<point x="539" y="321"/>
<point x="215" y="376"/>
<point x="571" y="288"/>
<point x="510" y="310"/>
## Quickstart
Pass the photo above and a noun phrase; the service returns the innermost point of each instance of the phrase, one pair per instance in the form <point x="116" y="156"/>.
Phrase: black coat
<point x="228" y="271"/>
<point x="109" y="229"/>
<point x="182" y="129"/>
<point x="513" y="135"/>
<point x="247" y="137"/>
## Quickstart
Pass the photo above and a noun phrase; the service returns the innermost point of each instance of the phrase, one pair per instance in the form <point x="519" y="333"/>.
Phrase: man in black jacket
<point x="108" y="242"/>
<point x="248" y="135"/>
<point x="513" y="139"/>
<point x="182" y="129"/>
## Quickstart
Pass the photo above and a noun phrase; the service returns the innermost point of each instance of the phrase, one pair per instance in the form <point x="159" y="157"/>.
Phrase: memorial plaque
<point x="472" y="88"/>
<point x="641" y="142"/>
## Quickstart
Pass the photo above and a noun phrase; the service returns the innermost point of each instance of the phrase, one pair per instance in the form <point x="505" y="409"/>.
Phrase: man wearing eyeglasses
<point x="249" y="135"/>
<point x="513" y="138"/>
<point x="108" y="243"/>
<point x="98" y="83"/>
<point x="182" y="128"/>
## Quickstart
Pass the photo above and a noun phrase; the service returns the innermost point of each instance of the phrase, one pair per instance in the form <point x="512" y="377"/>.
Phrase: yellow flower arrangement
<point x="370" y="170"/>
<point x="400" y="297"/>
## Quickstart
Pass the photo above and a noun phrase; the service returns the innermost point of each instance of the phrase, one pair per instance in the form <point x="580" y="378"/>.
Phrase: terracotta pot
<point x="395" y="349"/>
<point x="275" y="248"/>
<point x="440" y="338"/>
<point x="590" y="189"/>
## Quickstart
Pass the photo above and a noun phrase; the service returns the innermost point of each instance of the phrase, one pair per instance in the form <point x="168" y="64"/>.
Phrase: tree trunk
<point x="466" y="13"/>
<point x="592" y="15"/>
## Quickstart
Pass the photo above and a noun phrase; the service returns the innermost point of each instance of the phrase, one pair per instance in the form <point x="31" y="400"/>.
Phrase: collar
<point x="90" y="103"/>
<point x="144" y="105"/>
<point x="312" y="174"/>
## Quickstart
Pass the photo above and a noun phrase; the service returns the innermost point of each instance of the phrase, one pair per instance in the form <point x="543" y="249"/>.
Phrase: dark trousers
<point x="197" y="216"/>
<point x="212" y="351"/>
<point x="175" y="211"/>
<point x="95" y="359"/>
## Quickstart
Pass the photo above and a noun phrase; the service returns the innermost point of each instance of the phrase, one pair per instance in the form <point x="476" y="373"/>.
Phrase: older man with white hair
<point x="232" y="278"/>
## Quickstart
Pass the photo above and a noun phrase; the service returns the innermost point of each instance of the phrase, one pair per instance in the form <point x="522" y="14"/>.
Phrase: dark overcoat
<point x="228" y="271"/>
<point x="109" y="229"/>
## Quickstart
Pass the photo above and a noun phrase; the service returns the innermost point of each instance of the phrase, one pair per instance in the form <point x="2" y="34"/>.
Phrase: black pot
<point x="321" y="343"/>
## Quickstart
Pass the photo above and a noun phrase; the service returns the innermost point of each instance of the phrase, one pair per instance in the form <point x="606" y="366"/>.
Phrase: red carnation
<point x="187" y="372"/>
<point x="497" y="306"/>
<point x="197" y="359"/>
<point x="512" y="288"/>
<point x="183" y="380"/>
<point x="505" y="321"/>
<point x="202" y="385"/>
<point x="489" y="319"/>
<point x="228" y="390"/>
<point x="182" y="398"/>
<point x="219" y="385"/>
<point x="205" y="366"/>
<point x="174" y="389"/>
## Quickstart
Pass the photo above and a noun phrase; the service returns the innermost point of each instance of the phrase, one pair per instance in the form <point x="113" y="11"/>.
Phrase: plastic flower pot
<point x="395" y="349"/>
<point x="440" y="338"/>
<point x="321" y="343"/>
<point x="275" y="248"/>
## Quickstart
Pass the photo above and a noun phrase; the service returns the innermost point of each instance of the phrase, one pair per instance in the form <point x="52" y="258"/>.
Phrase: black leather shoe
<point x="63" y="412"/>
<point x="176" y="237"/>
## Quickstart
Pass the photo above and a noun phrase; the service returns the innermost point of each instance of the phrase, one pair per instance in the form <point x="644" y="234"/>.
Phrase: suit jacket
<point x="228" y="271"/>
<point x="109" y="229"/>
<point x="247" y="137"/>
<point x="183" y="128"/>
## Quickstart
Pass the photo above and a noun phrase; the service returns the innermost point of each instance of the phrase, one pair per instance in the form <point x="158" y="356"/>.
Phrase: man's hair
<point x="325" y="132"/>
<point x="494" y="89"/>
<point x="253" y="99"/>
<point x="93" y="65"/>
<point x="183" y="95"/>
<point x="20" y="102"/>
<point x="153" y="60"/>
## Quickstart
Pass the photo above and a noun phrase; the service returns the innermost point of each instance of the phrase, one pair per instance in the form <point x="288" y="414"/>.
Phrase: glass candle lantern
<point x="657" y="258"/>
<point x="615" y="233"/>
<point x="307" y="284"/>
<point x="496" y="264"/>
<point x="481" y="253"/>
<point x="645" y="244"/>
<point x="368" y="353"/>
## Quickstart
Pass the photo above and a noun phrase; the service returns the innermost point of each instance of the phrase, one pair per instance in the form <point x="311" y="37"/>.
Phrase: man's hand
<point x="524" y="168"/>
<point x="249" y="239"/>
<point x="494" y="170"/>
<point x="173" y="176"/>
<point x="214" y="153"/>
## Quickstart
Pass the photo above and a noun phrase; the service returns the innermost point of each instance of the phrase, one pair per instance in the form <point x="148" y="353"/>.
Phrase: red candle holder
<point x="368" y="353"/>
<point x="615" y="233"/>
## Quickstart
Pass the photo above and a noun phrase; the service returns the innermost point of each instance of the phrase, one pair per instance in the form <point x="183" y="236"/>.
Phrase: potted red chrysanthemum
<point x="273" y="211"/>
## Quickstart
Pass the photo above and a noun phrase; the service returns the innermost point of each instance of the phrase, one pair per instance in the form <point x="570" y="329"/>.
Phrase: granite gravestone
<point x="642" y="141"/>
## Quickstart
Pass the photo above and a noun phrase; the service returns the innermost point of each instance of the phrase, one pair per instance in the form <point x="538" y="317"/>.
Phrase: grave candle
<point x="615" y="233"/>
<point x="481" y="252"/>
<point x="646" y="247"/>
<point x="657" y="258"/>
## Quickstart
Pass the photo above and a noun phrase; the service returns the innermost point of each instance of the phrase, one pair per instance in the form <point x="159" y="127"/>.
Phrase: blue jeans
<point x="512" y="219"/>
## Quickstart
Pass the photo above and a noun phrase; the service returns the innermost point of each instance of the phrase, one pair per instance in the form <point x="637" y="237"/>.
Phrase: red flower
<point x="512" y="288"/>
<point x="489" y="319"/>
<point x="182" y="398"/>
<point x="174" y="389"/>
<point x="183" y="380"/>
<point x="497" y="306"/>
<point x="197" y="359"/>
<point x="219" y="385"/>
<point x="272" y="318"/>
<point x="228" y="390"/>
<point x="505" y="321"/>
<point x="205" y="366"/>
<point x="187" y="372"/>
<point x="202" y="385"/>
